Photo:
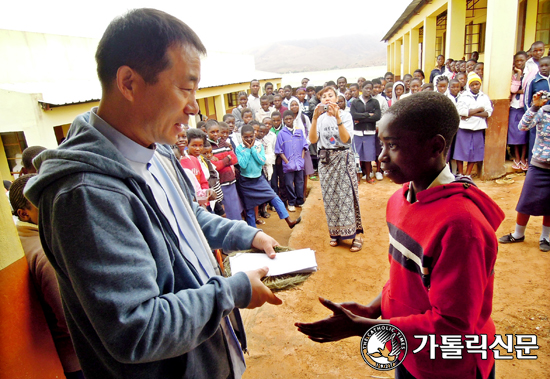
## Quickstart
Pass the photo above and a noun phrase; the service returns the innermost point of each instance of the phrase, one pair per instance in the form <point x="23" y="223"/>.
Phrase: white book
<point x="289" y="262"/>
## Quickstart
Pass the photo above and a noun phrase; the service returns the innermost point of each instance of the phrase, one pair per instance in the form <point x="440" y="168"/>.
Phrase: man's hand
<point x="264" y="242"/>
<point x="260" y="293"/>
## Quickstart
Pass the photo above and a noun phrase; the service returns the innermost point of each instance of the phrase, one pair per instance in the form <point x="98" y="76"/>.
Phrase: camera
<point x="325" y="107"/>
<point x="545" y="95"/>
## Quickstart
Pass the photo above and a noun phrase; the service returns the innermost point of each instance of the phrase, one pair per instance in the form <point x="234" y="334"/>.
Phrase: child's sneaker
<point x="371" y="175"/>
<point x="379" y="175"/>
<point x="544" y="245"/>
<point x="291" y="208"/>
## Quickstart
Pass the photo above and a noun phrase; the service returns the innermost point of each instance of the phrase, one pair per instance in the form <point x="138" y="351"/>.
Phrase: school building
<point x="497" y="29"/>
<point x="47" y="80"/>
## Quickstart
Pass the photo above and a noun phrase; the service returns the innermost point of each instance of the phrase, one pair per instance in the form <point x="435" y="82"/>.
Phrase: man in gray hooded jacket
<point x="130" y="248"/>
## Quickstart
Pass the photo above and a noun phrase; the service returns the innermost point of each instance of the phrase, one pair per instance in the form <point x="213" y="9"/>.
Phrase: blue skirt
<point x="516" y="136"/>
<point x="232" y="202"/>
<point x="308" y="164"/>
<point x="535" y="194"/>
<point x="255" y="191"/>
<point x="365" y="147"/>
<point x="469" y="145"/>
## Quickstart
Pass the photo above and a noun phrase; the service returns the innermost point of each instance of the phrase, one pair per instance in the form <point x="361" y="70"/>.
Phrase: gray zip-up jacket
<point x="135" y="307"/>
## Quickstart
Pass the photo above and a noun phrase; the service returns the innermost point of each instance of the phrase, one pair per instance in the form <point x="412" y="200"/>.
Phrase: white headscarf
<point x="393" y="97"/>
<point x="298" y="122"/>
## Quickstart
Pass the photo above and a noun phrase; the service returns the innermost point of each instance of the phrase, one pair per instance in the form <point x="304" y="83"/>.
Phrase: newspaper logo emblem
<point x="384" y="347"/>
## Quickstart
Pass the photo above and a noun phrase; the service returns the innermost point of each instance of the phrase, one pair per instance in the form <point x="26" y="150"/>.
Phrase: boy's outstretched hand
<point x="260" y="293"/>
<point x="343" y="323"/>
<point x="266" y="243"/>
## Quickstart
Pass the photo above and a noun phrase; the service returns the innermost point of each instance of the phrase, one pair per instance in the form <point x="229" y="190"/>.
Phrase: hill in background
<point x="320" y="54"/>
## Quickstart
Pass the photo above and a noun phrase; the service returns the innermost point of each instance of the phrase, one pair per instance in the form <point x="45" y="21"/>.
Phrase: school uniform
<point x="291" y="143"/>
<point x="364" y="128"/>
<point x="470" y="138"/>
<point x="254" y="104"/>
<point x="516" y="136"/>
<point x="261" y="114"/>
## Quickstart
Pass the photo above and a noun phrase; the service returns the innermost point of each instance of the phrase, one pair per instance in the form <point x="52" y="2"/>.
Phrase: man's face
<point x="277" y="100"/>
<point x="537" y="51"/>
<point x="247" y="117"/>
<point x="207" y="152"/>
<point x="342" y="85"/>
<point x="181" y="141"/>
<point x="265" y="105"/>
<point x="440" y="61"/>
<point x="288" y="93"/>
<point x="254" y="88"/>
<point x="269" y="89"/>
<point x="289" y="121"/>
<point x="268" y="122"/>
<point x="230" y="121"/>
<point x="262" y="131"/>
<point x="367" y="91"/>
<point x="195" y="147"/>
<point x="213" y="132"/>
<point x="311" y="93"/>
<point x="164" y="107"/>
<point x="304" y="82"/>
<point x="248" y="137"/>
<point x="301" y="95"/>
<point x="407" y="82"/>
<point x="276" y="121"/>
<point x="474" y="87"/>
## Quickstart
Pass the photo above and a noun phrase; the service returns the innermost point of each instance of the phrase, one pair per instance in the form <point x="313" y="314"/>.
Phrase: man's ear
<point x="23" y="215"/>
<point x="127" y="81"/>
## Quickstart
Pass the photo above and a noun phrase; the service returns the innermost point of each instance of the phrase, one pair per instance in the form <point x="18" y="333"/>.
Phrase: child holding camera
<point x="332" y="130"/>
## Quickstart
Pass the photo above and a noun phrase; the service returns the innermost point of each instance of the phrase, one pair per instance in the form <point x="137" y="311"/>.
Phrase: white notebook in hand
<point x="289" y="262"/>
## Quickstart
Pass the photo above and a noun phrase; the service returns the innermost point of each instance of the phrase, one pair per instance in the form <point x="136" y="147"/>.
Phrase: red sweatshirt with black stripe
<point x="442" y="255"/>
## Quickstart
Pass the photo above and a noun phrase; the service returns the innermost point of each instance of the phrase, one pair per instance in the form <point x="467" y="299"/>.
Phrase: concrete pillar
<point x="406" y="55"/>
<point x="456" y="23"/>
<point x="388" y="57"/>
<point x="500" y="42"/>
<point x="397" y="66"/>
<point x="530" y="24"/>
<point x="219" y="103"/>
<point x="413" y="50"/>
<point x="428" y="51"/>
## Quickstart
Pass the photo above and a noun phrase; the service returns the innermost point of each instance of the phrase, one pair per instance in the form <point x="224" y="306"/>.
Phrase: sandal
<point x="516" y="165"/>
<point x="371" y="180"/>
<point x="356" y="245"/>
<point x="524" y="166"/>
<point x="260" y="222"/>
<point x="334" y="242"/>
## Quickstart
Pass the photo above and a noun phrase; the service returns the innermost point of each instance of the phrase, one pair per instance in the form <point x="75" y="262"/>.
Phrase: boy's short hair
<point x="210" y="123"/>
<point x="277" y="95"/>
<point x="310" y="88"/>
<point x="520" y="53"/>
<point x="389" y="85"/>
<point x="427" y="85"/>
<point x="247" y="128"/>
<point x="388" y="73"/>
<point x="342" y="77"/>
<point x="226" y="116"/>
<point x="265" y="118"/>
<point x="376" y="81"/>
<point x="416" y="80"/>
<point x="196" y="133"/>
<point x="200" y="124"/>
<point x="268" y="84"/>
<point x="276" y="113"/>
<point x="330" y="83"/>
<point x="140" y="39"/>
<point x="264" y="98"/>
<point x="206" y="144"/>
<point x="354" y="85"/>
<point x="427" y="114"/>
<point x="246" y="110"/>
<point x="288" y="112"/>
<point x="223" y="125"/>
<point x="254" y="122"/>
<point x="17" y="199"/>
<point x="407" y="76"/>
<point x="270" y="98"/>
<point x="241" y="94"/>
<point x="453" y="81"/>
<point x="29" y="154"/>
<point x="471" y="60"/>
<point x="288" y="86"/>
<point x="420" y="72"/>
<point x="478" y="64"/>
<point x="545" y="58"/>
<point x="368" y="82"/>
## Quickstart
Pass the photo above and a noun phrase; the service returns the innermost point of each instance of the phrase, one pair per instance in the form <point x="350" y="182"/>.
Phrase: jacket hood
<point x="84" y="150"/>
<point x="488" y="208"/>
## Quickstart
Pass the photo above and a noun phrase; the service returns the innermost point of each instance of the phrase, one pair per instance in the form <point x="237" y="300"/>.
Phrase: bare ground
<point x="277" y="350"/>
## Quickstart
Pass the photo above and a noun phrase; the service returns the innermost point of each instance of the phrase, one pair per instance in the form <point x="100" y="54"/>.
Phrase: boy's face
<point x="281" y="92"/>
<point x="519" y="62"/>
<point x="248" y="137"/>
<point x="403" y="157"/>
<point x="415" y="86"/>
<point x="29" y="214"/>
<point x="262" y="132"/>
<point x="462" y="79"/>
<point x="342" y="102"/>
<point x="254" y="88"/>
<point x="256" y="129"/>
<point x="294" y="107"/>
<point x="389" y="78"/>
<point x="268" y="122"/>
<point x="207" y="152"/>
<point x="376" y="89"/>
<point x="289" y="121"/>
<point x="276" y="121"/>
<point x="479" y="70"/>
<point x="342" y="85"/>
<point x="265" y="105"/>
<point x="367" y="91"/>
<point x="347" y="94"/>
<point x="231" y="123"/>
<point x="242" y="101"/>
<point x="442" y="87"/>
<point x="311" y="93"/>
<point x="452" y="66"/>
<point x="544" y="66"/>
<point x="224" y="134"/>
<point x="181" y="142"/>
<point x="455" y="89"/>
<point x="440" y="61"/>
<point x="448" y="64"/>
<point x="269" y="90"/>
<point x="288" y="93"/>
<point x="388" y="92"/>
<point x="361" y="82"/>
<point x="354" y="91"/>
<point x="475" y="87"/>
<point x="247" y="117"/>
<point x="399" y="90"/>
<point x="407" y="82"/>
<point x="213" y="132"/>
<point x="417" y="75"/>
<point x="537" y="51"/>
<point x="304" y="82"/>
<point x="301" y="95"/>
<point x="195" y="147"/>
<point x="277" y="100"/>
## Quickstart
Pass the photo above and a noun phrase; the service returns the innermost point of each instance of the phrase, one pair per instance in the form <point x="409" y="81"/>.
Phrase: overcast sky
<point x="222" y="25"/>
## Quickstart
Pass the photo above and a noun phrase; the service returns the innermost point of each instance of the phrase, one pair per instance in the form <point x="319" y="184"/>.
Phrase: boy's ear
<point x="438" y="145"/>
<point x="23" y="215"/>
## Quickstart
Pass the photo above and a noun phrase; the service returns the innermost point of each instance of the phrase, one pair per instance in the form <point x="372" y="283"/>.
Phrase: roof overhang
<point x="409" y="12"/>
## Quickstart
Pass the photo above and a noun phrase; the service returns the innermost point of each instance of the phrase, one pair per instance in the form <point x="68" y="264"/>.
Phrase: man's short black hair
<point x="140" y="39"/>
<point x="427" y="114"/>
<point x="288" y="112"/>
<point x="195" y="133"/>
<point x="28" y="155"/>
<point x="407" y="76"/>
<point x="342" y="77"/>
<point x="254" y="80"/>
<point x="210" y="123"/>
<point x="310" y="88"/>
<point x="247" y="128"/>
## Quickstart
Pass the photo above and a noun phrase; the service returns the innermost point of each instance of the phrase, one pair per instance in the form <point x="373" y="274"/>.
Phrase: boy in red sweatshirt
<point x="442" y="248"/>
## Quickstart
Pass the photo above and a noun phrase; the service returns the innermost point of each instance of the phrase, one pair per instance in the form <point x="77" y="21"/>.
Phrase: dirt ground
<point x="277" y="350"/>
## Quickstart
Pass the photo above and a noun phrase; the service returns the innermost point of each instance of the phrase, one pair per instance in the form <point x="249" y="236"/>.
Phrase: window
<point x="474" y="39"/>
<point x="543" y="22"/>
<point x="441" y="32"/>
<point x="14" y="143"/>
<point x="232" y="100"/>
